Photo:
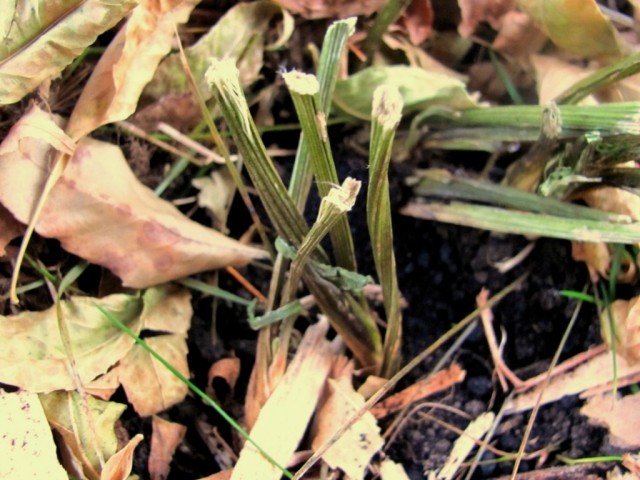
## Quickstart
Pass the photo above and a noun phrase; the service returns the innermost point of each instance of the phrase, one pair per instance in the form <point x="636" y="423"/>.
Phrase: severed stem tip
<point x="387" y="106"/>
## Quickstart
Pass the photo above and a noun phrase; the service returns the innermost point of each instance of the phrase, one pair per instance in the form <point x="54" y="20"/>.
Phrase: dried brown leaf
<point x="118" y="467"/>
<point x="595" y="372"/>
<point x="128" y="64"/>
<point x="66" y="414"/>
<point x="149" y="385"/>
<point x="33" y="356"/>
<point x="165" y="439"/>
<point x="353" y="451"/>
<point x="284" y="418"/>
<point x="41" y="37"/>
<point x="227" y="369"/>
<point x="10" y="228"/>
<point x="101" y="212"/>
<point x="577" y="26"/>
<point x="417" y="20"/>
<point x="598" y="256"/>
<point x="518" y="36"/>
<point x="625" y="316"/>
<point x="621" y="416"/>
<point x="438" y="382"/>
<point x="313" y="9"/>
<point x="555" y="75"/>
<point x="476" y="11"/>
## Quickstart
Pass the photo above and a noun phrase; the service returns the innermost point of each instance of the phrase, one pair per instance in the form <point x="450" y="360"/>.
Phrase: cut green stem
<point x="386" y="115"/>
<point x="304" y="90"/>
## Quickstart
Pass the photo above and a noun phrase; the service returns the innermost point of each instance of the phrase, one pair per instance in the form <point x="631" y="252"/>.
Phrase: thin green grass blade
<point x="386" y="17"/>
<point x="575" y="295"/>
<point x="116" y="321"/>
<point x="213" y="291"/>
<point x="386" y="115"/>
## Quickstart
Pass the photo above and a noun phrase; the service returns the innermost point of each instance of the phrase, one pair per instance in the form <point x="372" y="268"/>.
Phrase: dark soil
<point x="441" y="270"/>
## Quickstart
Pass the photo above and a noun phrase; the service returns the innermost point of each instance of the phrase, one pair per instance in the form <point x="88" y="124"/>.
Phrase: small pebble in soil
<point x="479" y="386"/>
<point x="475" y="407"/>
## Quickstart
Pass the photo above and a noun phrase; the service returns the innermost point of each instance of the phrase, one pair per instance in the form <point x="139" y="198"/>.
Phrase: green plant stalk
<point x="608" y="119"/>
<point x="304" y="90"/>
<point x="222" y="76"/>
<point x="333" y="208"/>
<point x="333" y="47"/>
<point x="385" y="17"/>
<point x="386" y="115"/>
<point x="116" y="321"/>
<point x="442" y="184"/>
<point x="360" y="337"/>
<point x="601" y="78"/>
<point x="525" y="223"/>
<point x="217" y="138"/>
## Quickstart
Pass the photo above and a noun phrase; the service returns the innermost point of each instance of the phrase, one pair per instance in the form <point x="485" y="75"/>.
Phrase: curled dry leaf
<point x="226" y="369"/>
<point x="128" y="64"/>
<point x="598" y="256"/>
<point x="119" y="466"/>
<point x="621" y="416"/>
<point x="577" y="26"/>
<point x="313" y="9"/>
<point x="66" y="414"/>
<point x="41" y="37"/>
<point x="102" y="213"/>
<point x="625" y="317"/>
<point x="10" y="228"/>
<point x="476" y="11"/>
<point x="165" y="439"/>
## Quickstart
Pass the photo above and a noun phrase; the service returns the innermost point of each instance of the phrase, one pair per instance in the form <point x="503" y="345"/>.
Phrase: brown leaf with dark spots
<point x="102" y="213"/>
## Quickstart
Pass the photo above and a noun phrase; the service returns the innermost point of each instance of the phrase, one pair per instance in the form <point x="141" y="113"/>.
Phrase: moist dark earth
<point x="441" y="269"/>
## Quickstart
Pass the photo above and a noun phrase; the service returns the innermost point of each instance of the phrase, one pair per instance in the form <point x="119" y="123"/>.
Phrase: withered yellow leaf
<point x="577" y="26"/>
<point x="33" y="356"/>
<point x="66" y="414"/>
<point x="41" y="37"/>
<point x="128" y="64"/>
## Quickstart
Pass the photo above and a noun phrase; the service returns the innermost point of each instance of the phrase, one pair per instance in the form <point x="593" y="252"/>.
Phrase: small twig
<point x="502" y="370"/>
